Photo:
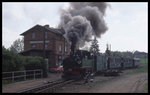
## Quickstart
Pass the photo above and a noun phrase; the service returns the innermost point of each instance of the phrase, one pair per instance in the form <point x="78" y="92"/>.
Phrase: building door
<point x="59" y="60"/>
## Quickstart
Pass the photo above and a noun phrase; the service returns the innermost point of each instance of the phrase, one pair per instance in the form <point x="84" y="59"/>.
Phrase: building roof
<point x="46" y="27"/>
<point x="33" y="49"/>
<point x="54" y="30"/>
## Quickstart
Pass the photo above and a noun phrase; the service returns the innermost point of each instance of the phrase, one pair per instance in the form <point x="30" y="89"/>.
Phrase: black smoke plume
<point x="83" y="20"/>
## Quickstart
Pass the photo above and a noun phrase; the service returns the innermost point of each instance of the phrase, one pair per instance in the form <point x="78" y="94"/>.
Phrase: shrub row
<point x="15" y="62"/>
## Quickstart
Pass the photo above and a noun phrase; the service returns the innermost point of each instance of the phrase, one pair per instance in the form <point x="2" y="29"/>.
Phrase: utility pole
<point x="133" y="53"/>
<point x="133" y="58"/>
<point x="45" y="69"/>
<point x="64" y="46"/>
<point x="44" y="45"/>
<point x="145" y="57"/>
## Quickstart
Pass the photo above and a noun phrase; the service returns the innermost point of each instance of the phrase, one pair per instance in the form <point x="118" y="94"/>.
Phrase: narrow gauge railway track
<point x="48" y="87"/>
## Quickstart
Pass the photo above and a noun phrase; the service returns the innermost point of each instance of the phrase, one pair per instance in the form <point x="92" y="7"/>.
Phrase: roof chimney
<point x="46" y="26"/>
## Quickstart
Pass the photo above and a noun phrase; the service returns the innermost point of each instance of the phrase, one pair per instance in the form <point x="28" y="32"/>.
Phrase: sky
<point x="127" y="23"/>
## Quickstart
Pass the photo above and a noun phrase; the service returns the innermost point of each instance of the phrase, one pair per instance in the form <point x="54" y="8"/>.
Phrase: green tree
<point x="17" y="46"/>
<point x="10" y="60"/>
<point x="94" y="49"/>
<point x="32" y="63"/>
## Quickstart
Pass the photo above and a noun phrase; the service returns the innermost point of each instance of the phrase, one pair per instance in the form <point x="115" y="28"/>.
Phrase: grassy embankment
<point x="142" y="68"/>
<point x="146" y="86"/>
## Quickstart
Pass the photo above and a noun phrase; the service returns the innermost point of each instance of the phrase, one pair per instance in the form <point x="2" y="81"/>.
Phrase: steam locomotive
<point x="81" y="63"/>
<point x="75" y="66"/>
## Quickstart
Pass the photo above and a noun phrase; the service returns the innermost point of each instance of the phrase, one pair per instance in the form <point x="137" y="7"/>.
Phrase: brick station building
<point x="56" y="46"/>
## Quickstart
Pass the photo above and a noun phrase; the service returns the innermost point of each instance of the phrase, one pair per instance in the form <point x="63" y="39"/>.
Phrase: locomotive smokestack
<point x="83" y="20"/>
<point x="73" y="44"/>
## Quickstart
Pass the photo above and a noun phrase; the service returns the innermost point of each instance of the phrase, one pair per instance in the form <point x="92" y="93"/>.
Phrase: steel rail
<point x="43" y="87"/>
<point x="52" y="88"/>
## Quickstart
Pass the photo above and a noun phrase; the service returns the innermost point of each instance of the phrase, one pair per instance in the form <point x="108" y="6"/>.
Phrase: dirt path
<point x="130" y="83"/>
<point x="127" y="84"/>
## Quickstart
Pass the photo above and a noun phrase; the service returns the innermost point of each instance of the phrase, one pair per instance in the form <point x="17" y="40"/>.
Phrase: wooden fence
<point x="21" y="75"/>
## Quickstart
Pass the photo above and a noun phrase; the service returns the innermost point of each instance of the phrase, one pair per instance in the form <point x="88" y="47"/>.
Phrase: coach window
<point x="33" y="35"/>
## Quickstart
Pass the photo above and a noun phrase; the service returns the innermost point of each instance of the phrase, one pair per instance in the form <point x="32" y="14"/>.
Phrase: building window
<point x="33" y="46"/>
<point x="33" y="35"/>
<point x="65" y="49"/>
<point x="45" y="35"/>
<point x="60" y="48"/>
<point x="46" y="46"/>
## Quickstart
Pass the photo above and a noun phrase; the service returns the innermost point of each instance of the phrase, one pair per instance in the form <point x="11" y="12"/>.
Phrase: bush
<point x="11" y="61"/>
<point x="14" y="62"/>
<point x="36" y="63"/>
<point x="32" y="63"/>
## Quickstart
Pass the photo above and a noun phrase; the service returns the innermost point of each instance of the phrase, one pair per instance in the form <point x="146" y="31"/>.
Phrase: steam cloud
<point x="84" y="20"/>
